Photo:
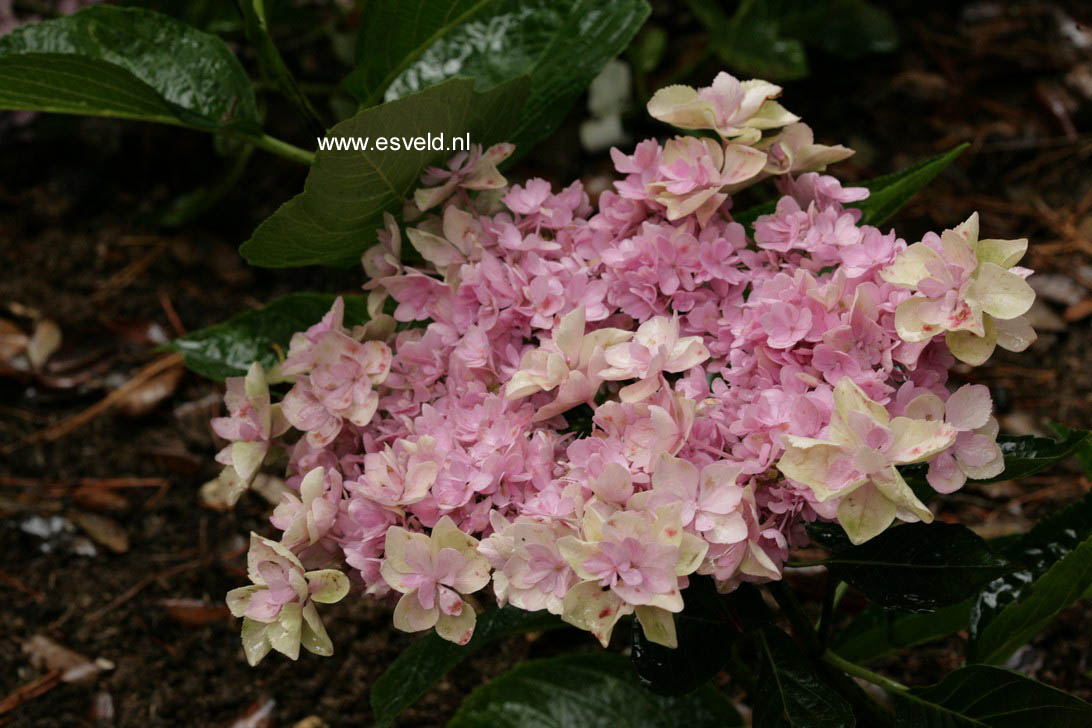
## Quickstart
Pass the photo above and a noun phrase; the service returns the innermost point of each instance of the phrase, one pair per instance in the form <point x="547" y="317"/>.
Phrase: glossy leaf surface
<point x="127" y="63"/>
<point x="595" y="690"/>
<point x="228" y="348"/>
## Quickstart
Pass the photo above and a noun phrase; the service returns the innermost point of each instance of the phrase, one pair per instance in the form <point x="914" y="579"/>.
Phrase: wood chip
<point x="102" y="530"/>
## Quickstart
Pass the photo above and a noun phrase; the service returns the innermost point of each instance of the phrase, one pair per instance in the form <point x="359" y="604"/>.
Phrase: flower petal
<point x="1001" y="293"/>
<point x="255" y="643"/>
<point x="969" y="407"/>
<point x="410" y="616"/>
<point x="865" y="513"/>
<point x="313" y="636"/>
<point x="327" y="585"/>
<point x="658" y="625"/>
<point x="459" y="628"/>
<point x="972" y="349"/>
<point x="591" y="608"/>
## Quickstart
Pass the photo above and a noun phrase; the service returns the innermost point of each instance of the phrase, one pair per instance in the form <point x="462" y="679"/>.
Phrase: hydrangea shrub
<point x="580" y="407"/>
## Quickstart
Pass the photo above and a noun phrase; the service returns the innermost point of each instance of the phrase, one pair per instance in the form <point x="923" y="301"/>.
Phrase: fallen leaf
<point x="45" y="654"/>
<point x="99" y="499"/>
<point x="312" y="721"/>
<point x="45" y="341"/>
<point x="1058" y="288"/>
<point x="195" y="612"/>
<point x="102" y="530"/>
<point x="258" y="715"/>
<point x="1076" y="312"/>
<point x="102" y="710"/>
<point x="1042" y="318"/>
<point x="145" y="397"/>
<point x="13" y="341"/>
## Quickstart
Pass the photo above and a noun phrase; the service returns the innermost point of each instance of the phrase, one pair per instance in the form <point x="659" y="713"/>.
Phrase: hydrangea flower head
<point x="251" y="425"/>
<point x="433" y="573"/>
<point x="629" y="561"/>
<point x="734" y="109"/>
<point x="278" y="610"/>
<point x="855" y="463"/>
<point x="585" y="403"/>
<point x="967" y="288"/>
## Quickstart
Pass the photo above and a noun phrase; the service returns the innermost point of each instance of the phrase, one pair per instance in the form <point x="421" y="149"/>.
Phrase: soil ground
<point x="79" y="243"/>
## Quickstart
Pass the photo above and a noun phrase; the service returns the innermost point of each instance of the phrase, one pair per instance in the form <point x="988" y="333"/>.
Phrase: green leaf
<point x="790" y="692"/>
<point x="706" y="629"/>
<point x="227" y="349"/>
<point x="851" y="28"/>
<point x="1055" y="569"/>
<point x="1027" y="455"/>
<point x="889" y="193"/>
<point x="394" y="33"/>
<point x="336" y="216"/>
<point x="1062" y="585"/>
<point x="1083" y="452"/>
<point x="918" y="566"/>
<point x="561" y="45"/>
<point x="766" y="37"/>
<point x="751" y="41"/>
<point x="273" y="65"/>
<point x="989" y="696"/>
<point x="126" y="63"/>
<point x="876" y="631"/>
<point x="596" y="690"/>
<point x="431" y="657"/>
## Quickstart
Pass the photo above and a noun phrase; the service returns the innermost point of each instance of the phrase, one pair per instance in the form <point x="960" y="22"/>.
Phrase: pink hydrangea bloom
<point x="585" y="405"/>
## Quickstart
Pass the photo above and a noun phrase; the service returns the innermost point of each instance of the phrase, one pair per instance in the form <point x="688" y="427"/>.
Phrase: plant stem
<point x="828" y="610"/>
<point x="838" y="679"/>
<point x="280" y="148"/>
<point x="852" y="668"/>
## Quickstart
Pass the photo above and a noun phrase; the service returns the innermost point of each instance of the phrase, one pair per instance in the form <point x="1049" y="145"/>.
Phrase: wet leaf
<point x="560" y="45"/>
<point x="346" y="193"/>
<point x="706" y="629"/>
<point x="1027" y="455"/>
<point x="919" y="566"/>
<point x="127" y="63"/>
<point x="431" y="657"/>
<point x="594" y="690"/>
<point x="790" y="692"/>
<point x="988" y="696"/>
<point x="227" y="349"/>
<point x="1054" y="561"/>
<point x="877" y="631"/>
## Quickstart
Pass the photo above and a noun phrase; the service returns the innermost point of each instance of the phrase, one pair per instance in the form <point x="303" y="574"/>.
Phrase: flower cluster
<point x="582" y="405"/>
